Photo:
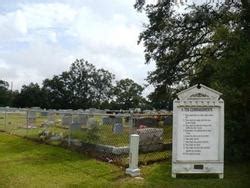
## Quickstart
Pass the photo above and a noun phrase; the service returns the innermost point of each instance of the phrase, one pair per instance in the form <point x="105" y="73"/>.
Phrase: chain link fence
<point x="102" y="135"/>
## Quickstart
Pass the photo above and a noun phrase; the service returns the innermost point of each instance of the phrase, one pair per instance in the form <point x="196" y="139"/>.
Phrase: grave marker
<point x="150" y="136"/>
<point x="51" y="117"/>
<point x="31" y="119"/>
<point x="147" y="121"/>
<point x="67" y="120"/>
<point x="117" y="128"/>
<point x="168" y="120"/>
<point x="111" y="120"/>
<point x="83" y="119"/>
<point x="198" y="132"/>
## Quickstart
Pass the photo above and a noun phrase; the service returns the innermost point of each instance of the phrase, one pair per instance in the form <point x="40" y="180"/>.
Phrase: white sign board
<point x="198" y="132"/>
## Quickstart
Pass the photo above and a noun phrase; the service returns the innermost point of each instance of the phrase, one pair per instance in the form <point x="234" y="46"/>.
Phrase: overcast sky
<point x="41" y="38"/>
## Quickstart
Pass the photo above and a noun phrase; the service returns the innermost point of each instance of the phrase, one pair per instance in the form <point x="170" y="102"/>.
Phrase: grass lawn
<point x="27" y="164"/>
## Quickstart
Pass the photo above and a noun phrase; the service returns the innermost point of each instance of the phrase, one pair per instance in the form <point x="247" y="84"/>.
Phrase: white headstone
<point x="51" y="116"/>
<point x="31" y="119"/>
<point x="198" y="132"/>
<point x="133" y="169"/>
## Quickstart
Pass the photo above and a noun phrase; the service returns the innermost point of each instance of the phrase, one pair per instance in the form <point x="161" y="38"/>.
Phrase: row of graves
<point x="68" y="126"/>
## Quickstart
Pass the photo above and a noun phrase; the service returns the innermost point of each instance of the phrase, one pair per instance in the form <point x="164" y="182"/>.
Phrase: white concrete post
<point x="27" y="122"/>
<point x="133" y="169"/>
<point x="5" y="119"/>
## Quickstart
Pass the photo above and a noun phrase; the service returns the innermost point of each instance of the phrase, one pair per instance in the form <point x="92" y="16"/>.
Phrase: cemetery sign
<point x="198" y="132"/>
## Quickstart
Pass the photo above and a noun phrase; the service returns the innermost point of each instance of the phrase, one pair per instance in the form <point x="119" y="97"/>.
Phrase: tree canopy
<point x="82" y="86"/>
<point x="206" y="44"/>
<point x="127" y="94"/>
<point x="30" y="96"/>
<point x="5" y="98"/>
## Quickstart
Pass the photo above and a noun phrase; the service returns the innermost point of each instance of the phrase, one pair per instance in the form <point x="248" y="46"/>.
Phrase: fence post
<point x="131" y="130"/>
<point x="5" y="119"/>
<point x="133" y="169"/>
<point x="27" y="122"/>
<point x="70" y="126"/>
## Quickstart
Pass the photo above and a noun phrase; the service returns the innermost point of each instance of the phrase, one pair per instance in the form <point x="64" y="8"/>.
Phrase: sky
<point x="41" y="38"/>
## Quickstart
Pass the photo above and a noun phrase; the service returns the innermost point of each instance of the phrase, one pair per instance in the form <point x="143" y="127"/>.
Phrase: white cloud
<point x="20" y="22"/>
<point x="48" y="15"/>
<point x="38" y="40"/>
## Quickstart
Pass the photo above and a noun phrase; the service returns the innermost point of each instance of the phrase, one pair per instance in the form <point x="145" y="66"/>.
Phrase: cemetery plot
<point x="106" y="134"/>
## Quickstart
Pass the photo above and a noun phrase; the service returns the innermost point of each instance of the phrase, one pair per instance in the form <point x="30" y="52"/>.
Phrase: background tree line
<point x="83" y="86"/>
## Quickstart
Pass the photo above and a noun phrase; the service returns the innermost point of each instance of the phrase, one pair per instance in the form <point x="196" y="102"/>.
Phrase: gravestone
<point x="168" y="120"/>
<point x="117" y="120"/>
<point x="198" y="132"/>
<point x="83" y="119"/>
<point x="117" y="128"/>
<point x="147" y="121"/>
<point x="66" y="120"/>
<point x="150" y="136"/>
<point x="32" y="115"/>
<point x="51" y="117"/>
<point x="44" y="113"/>
<point x="111" y="120"/>
<point x="31" y="119"/>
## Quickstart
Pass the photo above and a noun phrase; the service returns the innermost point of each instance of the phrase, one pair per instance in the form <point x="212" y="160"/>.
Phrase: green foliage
<point x="232" y="79"/>
<point x="179" y="44"/>
<point x="58" y="92"/>
<point x="93" y="135"/>
<point x="162" y="98"/>
<point x="6" y="96"/>
<point x="88" y="135"/>
<point x="83" y="86"/>
<point x="208" y="45"/>
<point x="127" y="94"/>
<point x="90" y="86"/>
<point x="4" y="93"/>
<point x="31" y="95"/>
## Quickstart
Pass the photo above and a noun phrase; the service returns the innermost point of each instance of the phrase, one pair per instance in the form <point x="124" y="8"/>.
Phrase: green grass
<point x="27" y="164"/>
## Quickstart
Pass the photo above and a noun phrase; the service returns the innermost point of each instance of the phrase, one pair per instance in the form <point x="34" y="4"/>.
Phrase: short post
<point x="27" y="122"/>
<point x="133" y="169"/>
<point x="5" y="119"/>
<point x="70" y="127"/>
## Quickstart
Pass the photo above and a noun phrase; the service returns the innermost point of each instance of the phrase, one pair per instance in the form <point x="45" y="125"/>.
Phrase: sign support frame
<point x="198" y="96"/>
